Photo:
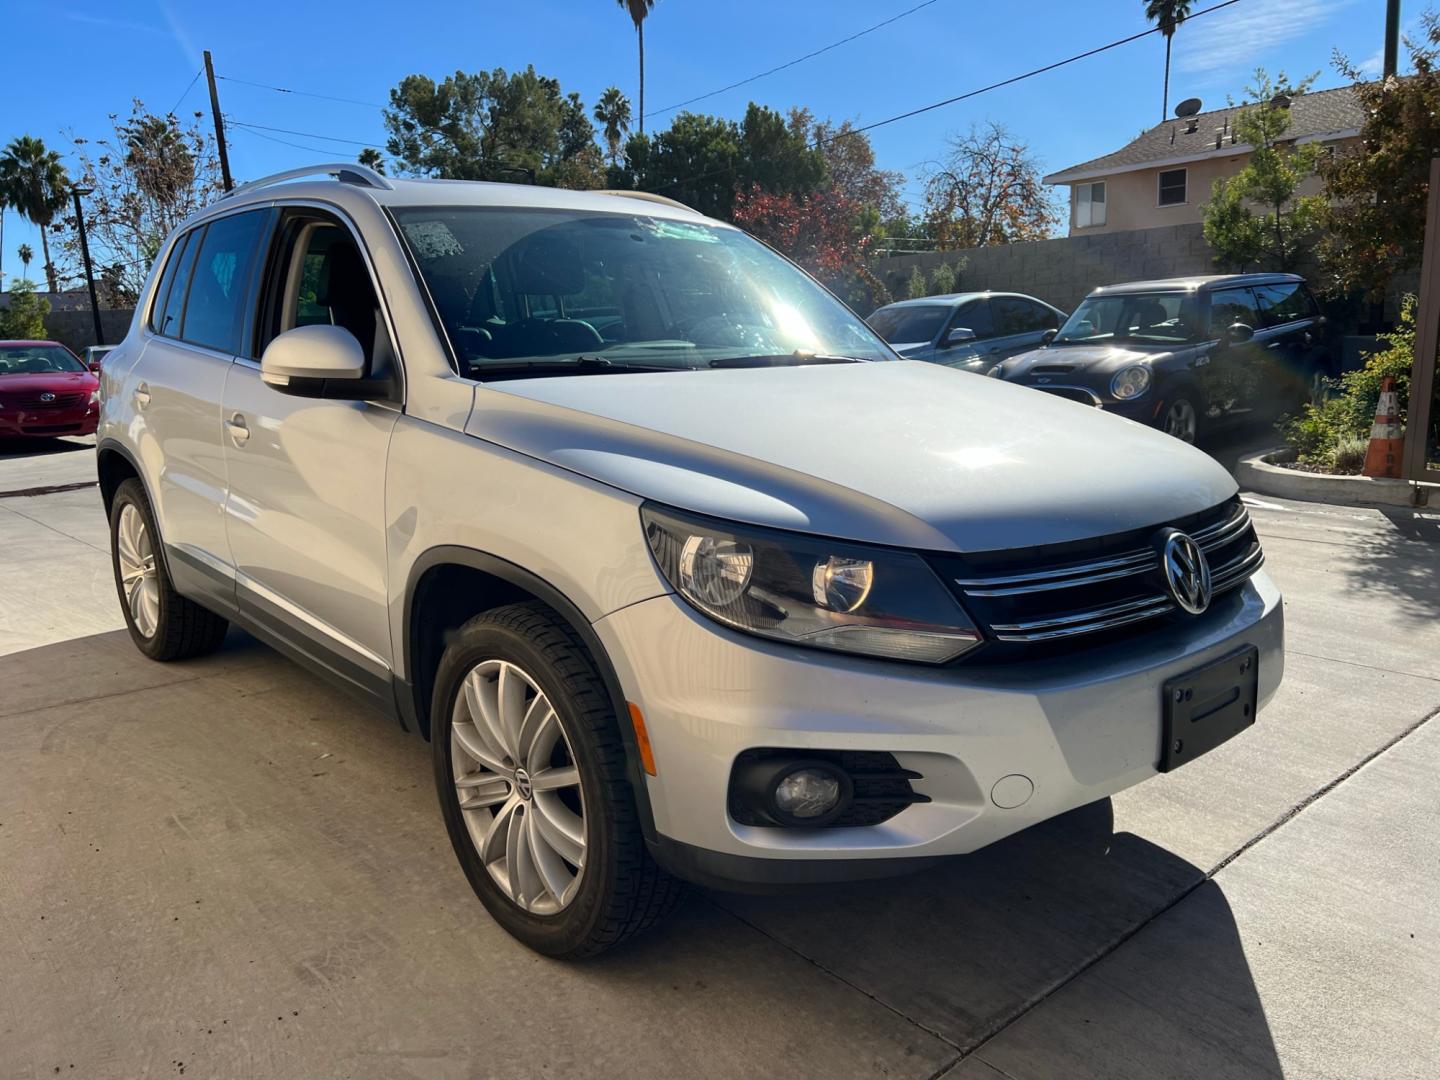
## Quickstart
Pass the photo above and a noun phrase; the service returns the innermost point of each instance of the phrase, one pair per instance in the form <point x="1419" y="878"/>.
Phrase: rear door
<point x="306" y="511"/>
<point x="176" y="389"/>
<point x="1020" y="324"/>
<point x="1296" y="352"/>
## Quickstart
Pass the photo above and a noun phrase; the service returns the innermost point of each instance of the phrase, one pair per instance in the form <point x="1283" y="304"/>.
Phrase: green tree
<point x="1377" y="191"/>
<point x="146" y="177"/>
<point x="26" y="254"/>
<point x="1168" y="15"/>
<point x="25" y="317"/>
<point x="612" y="113"/>
<point x="988" y="191"/>
<point x="638" y="11"/>
<point x="372" y="158"/>
<point x="33" y="182"/>
<point x="1258" y="218"/>
<point x="492" y="126"/>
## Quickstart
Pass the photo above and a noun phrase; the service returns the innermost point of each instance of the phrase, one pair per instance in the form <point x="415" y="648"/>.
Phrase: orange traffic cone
<point x="1386" y="440"/>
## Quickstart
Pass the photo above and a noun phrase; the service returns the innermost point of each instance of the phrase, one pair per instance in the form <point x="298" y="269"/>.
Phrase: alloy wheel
<point x="518" y="787"/>
<point x="1180" y="421"/>
<point x="138" y="571"/>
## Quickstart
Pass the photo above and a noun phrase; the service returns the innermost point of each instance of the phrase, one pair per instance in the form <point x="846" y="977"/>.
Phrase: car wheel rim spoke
<point x="138" y="571"/>
<point x="518" y="786"/>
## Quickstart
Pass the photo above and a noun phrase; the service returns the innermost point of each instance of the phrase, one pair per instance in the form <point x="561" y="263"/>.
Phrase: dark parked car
<point x="1184" y="354"/>
<point x="974" y="331"/>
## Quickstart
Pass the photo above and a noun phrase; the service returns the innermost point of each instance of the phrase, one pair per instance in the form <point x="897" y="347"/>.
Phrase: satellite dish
<point x="1188" y="107"/>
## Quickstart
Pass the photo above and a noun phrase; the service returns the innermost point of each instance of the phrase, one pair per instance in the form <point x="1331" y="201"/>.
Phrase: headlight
<point x="95" y="396"/>
<point x="810" y="591"/>
<point x="1130" y="383"/>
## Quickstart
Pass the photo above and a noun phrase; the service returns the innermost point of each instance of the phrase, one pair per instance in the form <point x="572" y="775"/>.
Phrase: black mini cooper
<point x="1188" y="353"/>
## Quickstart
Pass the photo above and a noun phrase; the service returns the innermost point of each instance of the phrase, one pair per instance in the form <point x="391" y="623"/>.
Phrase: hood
<point x="898" y="452"/>
<point x="58" y="381"/>
<point x="1087" y="359"/>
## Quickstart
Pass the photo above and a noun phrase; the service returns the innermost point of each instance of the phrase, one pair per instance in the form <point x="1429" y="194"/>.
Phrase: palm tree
<point x="371" y="157"/>
<point x="33" y="181"/>
<point x="25" y="256"/>
<point x="1168" y="15"/>
<point x="613" y="112"/>
<point x="638" y="9"/>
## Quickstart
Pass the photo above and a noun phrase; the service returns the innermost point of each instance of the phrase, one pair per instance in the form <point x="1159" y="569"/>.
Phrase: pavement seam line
<point x="843" y="980"/>
<point x="1365" y="667"/>
<point x="1269" y="830"/>
<point x="57" y="532"/>
<point x="103" y="697"/>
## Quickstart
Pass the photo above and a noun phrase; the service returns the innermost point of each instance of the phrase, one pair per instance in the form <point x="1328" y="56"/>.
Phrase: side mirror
<point x="1238" y="334"/>
<point x="1048" y="336"/>
<point x="297" y="360"/>
<point x="958" y="336"/>
<point x="94" y="366"/>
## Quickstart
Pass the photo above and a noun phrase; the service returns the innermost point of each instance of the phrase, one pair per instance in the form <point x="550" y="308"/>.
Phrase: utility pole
<point x="85" y="255"/>
<point x="1392" y="37"/>
<point x="219" y="122"/>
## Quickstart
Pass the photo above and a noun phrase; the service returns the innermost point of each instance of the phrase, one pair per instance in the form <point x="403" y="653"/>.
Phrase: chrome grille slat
<point x="1159" y="608"/>
<point x="1088" y="615"/>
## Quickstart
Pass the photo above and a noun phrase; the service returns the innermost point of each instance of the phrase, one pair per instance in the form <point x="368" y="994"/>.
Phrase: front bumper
<point x="48" y="423"/>
<point x="1075" y="729"/>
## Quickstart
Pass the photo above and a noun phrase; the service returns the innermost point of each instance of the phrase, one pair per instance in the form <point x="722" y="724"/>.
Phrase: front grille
<point x="1102" y="588"/>
<point x="1070" y="393"/>
<point x="32" y="401"/>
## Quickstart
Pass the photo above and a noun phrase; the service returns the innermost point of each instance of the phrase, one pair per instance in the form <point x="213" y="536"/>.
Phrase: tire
<point x="1180" y="418"/>
<point x="163" y="624"/>
<point x="543" y="784"/>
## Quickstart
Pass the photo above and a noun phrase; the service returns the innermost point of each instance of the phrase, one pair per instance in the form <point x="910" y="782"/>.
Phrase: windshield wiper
<point x="795" y="359"/>
<point x="569" y="365"/>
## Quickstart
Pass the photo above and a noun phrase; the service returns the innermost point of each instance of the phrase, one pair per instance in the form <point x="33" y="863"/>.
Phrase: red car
<point x="45" y="391"/>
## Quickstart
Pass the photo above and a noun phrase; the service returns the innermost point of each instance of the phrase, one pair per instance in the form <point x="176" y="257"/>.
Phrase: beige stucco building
<point x="1166" y="175"/>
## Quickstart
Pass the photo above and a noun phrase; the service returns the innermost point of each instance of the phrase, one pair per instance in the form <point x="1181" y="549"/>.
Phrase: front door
<point x="1235" y="379"/>
<point x="306" y="510"/>
<point x="1020" y="324"/>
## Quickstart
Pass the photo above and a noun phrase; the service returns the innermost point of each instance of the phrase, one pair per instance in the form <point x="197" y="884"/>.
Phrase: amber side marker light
<point x="642" y="738"/>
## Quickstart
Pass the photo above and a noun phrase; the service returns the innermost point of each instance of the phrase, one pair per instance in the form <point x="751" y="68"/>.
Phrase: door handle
<point x="239" y="432"/>
<point x="142" y="395"/>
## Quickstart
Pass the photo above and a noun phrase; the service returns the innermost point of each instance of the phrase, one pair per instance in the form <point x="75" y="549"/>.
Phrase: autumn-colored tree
<point x="1377" y="190"/>
<point x="988" y="191"/>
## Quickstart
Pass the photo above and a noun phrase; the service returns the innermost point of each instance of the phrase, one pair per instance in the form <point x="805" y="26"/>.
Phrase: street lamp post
<point x="85" y="255"/>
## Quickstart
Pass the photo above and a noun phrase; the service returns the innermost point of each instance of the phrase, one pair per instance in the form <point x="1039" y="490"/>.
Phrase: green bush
<point x="915" y="284"/>
<point x="25" y="317"/>
<point x="1325" y="432"/>
<point x="942" y="280"/>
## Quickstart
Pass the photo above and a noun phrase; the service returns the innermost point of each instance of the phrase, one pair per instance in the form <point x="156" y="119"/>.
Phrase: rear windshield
<point x="901" y="325"/>
<point x="37" y="360"/>
<point x="517" y="286"/>
<point x="1161" y="318"/>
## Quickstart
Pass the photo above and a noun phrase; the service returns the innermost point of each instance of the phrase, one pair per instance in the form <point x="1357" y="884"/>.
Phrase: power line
<point x="198" y="72"/>
<point x="849" y="132"/>
<point x="287" y="142"/>
<point x="304" y="134"/>
<point x="301" y="93"/>
<point x="792" y="63"/>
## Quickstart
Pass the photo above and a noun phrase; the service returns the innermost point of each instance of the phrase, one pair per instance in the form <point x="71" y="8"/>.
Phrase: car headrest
<point x="342" y="274"/>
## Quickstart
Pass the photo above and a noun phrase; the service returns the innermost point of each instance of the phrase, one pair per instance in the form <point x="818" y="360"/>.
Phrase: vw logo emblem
<point x="523" y="784"/>
<point x="1186" y="570"/>
<point x="47" y="396"/>
<point x="1043" y="379"/>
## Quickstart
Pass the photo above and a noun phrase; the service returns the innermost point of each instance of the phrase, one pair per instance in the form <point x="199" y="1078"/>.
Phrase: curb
<point x="1259" y="474"/>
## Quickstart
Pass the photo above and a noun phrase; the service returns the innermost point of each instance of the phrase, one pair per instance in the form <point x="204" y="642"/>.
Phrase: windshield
<point x="1166" y="318"/>
<point x="37" y="360"/>
<point x="906" y="325"/>
<point x="616" y="292"/>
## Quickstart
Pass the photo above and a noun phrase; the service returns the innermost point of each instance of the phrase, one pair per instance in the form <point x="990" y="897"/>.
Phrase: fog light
<point x="807" y="794"/>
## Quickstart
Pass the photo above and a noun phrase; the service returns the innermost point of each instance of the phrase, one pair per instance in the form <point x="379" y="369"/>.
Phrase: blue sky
<point x="102" y="53"/>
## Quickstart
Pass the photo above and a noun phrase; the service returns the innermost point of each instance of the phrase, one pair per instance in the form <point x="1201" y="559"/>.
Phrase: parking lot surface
<point x="224" y="868"/>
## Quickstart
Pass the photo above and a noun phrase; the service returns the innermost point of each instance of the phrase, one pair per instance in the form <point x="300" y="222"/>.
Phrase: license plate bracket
<point x="1208" y="706"/>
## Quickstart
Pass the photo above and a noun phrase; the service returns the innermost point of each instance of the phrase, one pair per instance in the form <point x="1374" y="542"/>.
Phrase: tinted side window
<point x="169" y="323"/>
<point x="975" y="317"/>
<point x="1230" y="306"/>
<point x="220" y="281"/>
<point x="1285" y="303"/>
<point x="1016" y="316"/>
<point x="167" y="279"/>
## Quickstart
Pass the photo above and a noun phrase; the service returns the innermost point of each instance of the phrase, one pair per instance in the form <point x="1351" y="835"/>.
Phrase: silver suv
<point x="681" y="571"/>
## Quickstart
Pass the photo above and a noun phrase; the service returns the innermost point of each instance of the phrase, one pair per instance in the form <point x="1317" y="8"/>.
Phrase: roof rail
<point x="648" y="196"/>
<point x="347" y="172"/>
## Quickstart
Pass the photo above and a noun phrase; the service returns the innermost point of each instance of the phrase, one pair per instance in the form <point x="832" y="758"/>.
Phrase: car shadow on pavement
<point x="1404" y="563"/>
<point x="1067" y="916"/>
<point x="34" y="448"/>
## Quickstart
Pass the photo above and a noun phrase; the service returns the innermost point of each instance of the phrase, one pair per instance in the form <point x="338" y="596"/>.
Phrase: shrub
<point x="915" y="284"/>
<point x="942" y="279"/>
<point x="25" y="317"/>
<point x="1350" y="454"/>
<point x="1323" y="428"/>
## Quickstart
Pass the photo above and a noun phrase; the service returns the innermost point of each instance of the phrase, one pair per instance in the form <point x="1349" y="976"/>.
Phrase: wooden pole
<point x="1427" y="340"/>
<point x="219" y="122"/>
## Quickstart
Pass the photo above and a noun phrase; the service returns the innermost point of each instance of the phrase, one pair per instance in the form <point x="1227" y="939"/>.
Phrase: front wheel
<point x="1181" y="420"/>
<point x="530" y="771"/>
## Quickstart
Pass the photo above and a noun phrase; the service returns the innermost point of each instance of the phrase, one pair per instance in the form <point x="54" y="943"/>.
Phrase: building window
<point x="1090" y="205"/>
<point x="1172" y="187"/>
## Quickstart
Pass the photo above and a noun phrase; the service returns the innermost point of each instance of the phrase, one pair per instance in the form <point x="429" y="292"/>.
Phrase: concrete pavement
<point x="225" y="867"/>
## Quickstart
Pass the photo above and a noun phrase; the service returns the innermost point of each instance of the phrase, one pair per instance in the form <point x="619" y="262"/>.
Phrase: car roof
<point x="951" y="299"/>
<point x="1199" y="283"/>
<point x="30" y="341"/>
